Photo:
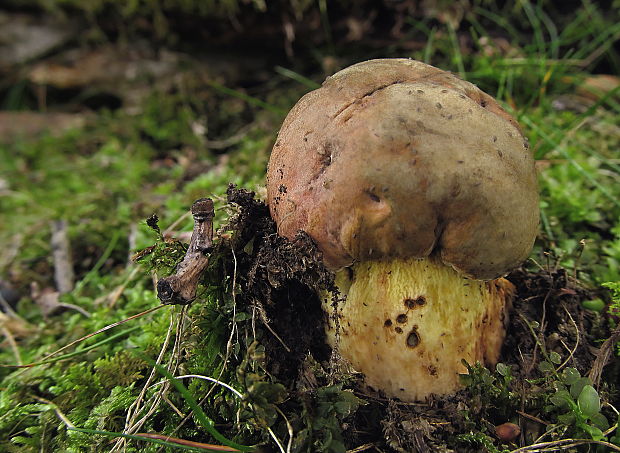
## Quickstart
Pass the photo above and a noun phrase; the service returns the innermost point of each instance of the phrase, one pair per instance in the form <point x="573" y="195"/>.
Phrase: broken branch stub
<point x="180" y="288"/>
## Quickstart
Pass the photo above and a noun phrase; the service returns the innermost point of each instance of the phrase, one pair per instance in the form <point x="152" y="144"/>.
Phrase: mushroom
<point x="421" y="192"/>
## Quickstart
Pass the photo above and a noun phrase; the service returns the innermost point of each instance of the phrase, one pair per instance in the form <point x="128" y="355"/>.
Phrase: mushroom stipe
<point x="461" y="318"/>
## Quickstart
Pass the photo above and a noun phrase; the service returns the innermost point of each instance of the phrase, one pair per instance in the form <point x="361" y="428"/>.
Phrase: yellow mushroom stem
<point x="407" y="324"/>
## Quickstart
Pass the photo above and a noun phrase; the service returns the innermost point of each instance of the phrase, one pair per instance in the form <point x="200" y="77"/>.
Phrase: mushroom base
<point x="407" y="324"/>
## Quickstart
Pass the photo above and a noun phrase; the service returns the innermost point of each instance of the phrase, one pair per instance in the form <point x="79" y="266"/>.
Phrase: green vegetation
<point x="119" y="169"/>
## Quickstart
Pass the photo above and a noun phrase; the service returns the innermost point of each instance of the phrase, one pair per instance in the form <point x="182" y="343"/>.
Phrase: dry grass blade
<point x="159" y="437"/>
<point x="131" y="424"/>
<point x="206" y="378"/>
<point x="189" y="443"/>
<point x="61" y="253"/>
<point x="85" y="337"/>
<point x="533" y="418"/>
<point x="229" y="348"/>
<point x="602" y="357"/>
<point x="563" y="444"/>
<point x="577" y="340"/>
<point x="11" y="340"/>
<point x="362" y="448"/>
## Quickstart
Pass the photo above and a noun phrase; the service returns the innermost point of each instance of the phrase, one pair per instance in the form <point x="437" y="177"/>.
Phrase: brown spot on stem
<point x="413" y="339"/>
<point x="410" y="304"/>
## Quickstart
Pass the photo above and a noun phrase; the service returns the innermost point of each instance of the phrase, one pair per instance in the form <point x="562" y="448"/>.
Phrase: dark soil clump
<point x="554" y="302"/>
<point x="279" y="279"/>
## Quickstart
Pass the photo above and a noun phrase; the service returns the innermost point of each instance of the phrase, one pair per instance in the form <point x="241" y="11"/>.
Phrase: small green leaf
<point x="242" y="316"/>
<point x="570" y="375"/>
<point x="594" y="432"/>
<point x="549" y="408"/>
<point x="567" y="419"/>
<point x="561" y="399"/>
<point x="577" y="387"/>
<point x="589" y="401"/>
<point x="502" y="369"/>
<point x="594" y="305"/>
<point x="336" y="446"/>
<point x="600" y="421"/>
<point x="546" y="367"/>
<point x="555" y="357"/>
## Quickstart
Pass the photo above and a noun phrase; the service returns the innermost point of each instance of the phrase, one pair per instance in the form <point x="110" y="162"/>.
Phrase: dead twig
<point x="533" y="418"/>
<point x="180" y="288"/>
<point x="577" y="340"/>
<point x="61" y="253"/>
<point x="602" y="357"/>
<point x="11" y="340"/>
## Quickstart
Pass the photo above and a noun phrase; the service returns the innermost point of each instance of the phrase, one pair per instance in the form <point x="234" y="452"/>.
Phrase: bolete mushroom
<point x="421" y="192"/>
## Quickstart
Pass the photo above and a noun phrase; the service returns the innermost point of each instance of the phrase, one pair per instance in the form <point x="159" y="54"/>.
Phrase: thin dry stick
<point x="61" y="253"/>
<point x="132" y="413"/>
<point x="59" y="413"/>
<point x="548" y="433"/>
<point x="11" y="339"/>
<point x="577" y="340"/>
<point x="263" y="316"/>
<point x="233" y="330"/>
<point x="232" y="140"/>
<point x="206" y="378"/>
<point x="602" y="357"/>
<point x="612" y="428"/>
<point x="177" y="222"/>
<point x="531" y="417"/>
<point x="189" y="443"/>
<point x="155" y="400"/>
<point x="117" y="292"/>
<point x="276" y="440"/>
<point x="563" y="444"/>
<point x="289" y="428"/>
<point x="171" y="404"/>
<point x="131" y="240"/>
<point x="361" y="448"/>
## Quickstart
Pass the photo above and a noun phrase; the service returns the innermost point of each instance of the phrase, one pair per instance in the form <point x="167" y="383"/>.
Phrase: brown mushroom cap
<point x="394" y="158"/>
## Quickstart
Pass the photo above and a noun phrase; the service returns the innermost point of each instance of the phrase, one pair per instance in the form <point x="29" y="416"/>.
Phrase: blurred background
<point x="112" y="110"/>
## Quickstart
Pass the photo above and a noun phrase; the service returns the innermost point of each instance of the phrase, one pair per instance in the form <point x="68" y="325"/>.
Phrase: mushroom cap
<point x="393" y="158"/>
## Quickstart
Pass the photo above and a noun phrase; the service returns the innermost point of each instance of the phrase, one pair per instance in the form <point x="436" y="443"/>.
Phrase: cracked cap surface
<point x="396" y="158"/>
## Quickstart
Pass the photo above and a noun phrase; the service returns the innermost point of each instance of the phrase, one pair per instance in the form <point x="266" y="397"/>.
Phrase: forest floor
<point x="110" y="114"/>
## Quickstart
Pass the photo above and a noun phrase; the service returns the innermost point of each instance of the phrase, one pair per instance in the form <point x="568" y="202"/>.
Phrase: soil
<point x="281" y="278"/>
